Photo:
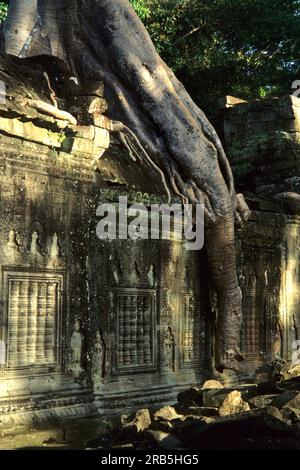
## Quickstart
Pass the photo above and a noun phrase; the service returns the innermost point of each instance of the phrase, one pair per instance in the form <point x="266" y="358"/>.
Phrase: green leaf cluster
<point x="3" y="10"/>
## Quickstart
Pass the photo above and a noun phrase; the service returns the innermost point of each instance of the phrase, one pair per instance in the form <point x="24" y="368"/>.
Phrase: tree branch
<point x="193" y="31"/>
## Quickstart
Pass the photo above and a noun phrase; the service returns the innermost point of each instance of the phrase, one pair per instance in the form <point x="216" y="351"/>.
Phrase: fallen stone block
<point x="197" y="410"/>
<point x="191" y="397"/>
<point x="233" y="404"/>
<point x="212" y="384"/>
<point x="215" y="397"/>
<point x="262" y="401"/>
<point x="289" y="398"/>
<point x="167" y="413"/>
<point x="137" y="422"/>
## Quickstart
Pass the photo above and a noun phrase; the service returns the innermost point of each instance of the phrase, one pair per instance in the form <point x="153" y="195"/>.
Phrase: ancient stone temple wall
<point x="263" y="143"/>
<point x="89" y="326"/>
<point x="153" y="317"/>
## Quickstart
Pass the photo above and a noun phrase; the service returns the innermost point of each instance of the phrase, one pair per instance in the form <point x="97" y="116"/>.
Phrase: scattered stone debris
<point x="270" y="372"/>
<point x="215" y="417"/>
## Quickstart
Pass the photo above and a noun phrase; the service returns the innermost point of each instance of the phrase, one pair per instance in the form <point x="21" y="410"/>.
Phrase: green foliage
<point x="246" y="48"/>
<point x="3" y="10"/>
<point x="141" y="8"/>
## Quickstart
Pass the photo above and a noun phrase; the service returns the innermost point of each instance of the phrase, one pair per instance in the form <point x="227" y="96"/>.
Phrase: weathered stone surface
<point x="31" y="132"/>
<point x="166" y="413"/>
<point x="261" y="401"/>
<point x="291" y="414"/>
<point x="247" y="431"/>
<point x="269" y="372"/>
<point x="290" y="371"/>
<point x="288" y="398"/>
<point x="273" y="411"/>
<point x="138" y="422"/>
<point x="197" y="410"/>
<point x="214" y="397"/>
<point x="162" y="425"/>
<point x="262" y="141"/>
<point x="291" y="384"/>
<point x="87" y="109"/>
<point x="212" y="384"/>
<point x="294" y="402"/>
<point x="233" y="404"/>
<point x="229" y="101"/>
<point x="191" y="397"/>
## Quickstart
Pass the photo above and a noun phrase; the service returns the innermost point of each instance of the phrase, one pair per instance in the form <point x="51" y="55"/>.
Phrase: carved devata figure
<point x="156" y="119"/>
<point x="76" y="349"/>
<point x="169" y="350"/>
<point x="98" y="361"/>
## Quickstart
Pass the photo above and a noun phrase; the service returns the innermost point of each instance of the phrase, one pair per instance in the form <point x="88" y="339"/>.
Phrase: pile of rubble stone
<point x="262" y="415"/>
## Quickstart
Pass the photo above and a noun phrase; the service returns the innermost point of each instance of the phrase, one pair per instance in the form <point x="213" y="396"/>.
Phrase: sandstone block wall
<point x="262" y="141"/>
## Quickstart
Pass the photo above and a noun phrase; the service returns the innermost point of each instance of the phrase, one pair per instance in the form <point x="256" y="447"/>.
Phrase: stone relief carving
<point x="77" y="340"/>
<point x="12" y="250"/>
<point x="134" y="275"/>
<point x="54" y="251"/>
<point x="188" y="328"/>
<point x="12" y="244"/>
<point x="135" y="329"/>
<point x="250" y="329"/>
<point x="168" y="350"/>
<point x="135" y="197"/>
<point x="16" y="253"/>
<point x="98" y="361"/>
<point x="151" y="275"/>
<point x="32" y="319"/>
<point x="34" y="247"/>
<point x="117" y="272"/>
<point x="278" y="340"/>
<point x="138" y="273"/>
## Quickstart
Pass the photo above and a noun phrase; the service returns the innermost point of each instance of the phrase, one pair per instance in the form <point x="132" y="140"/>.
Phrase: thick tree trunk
<point x="105" y="40"/>
<point x="19" y="25"/>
